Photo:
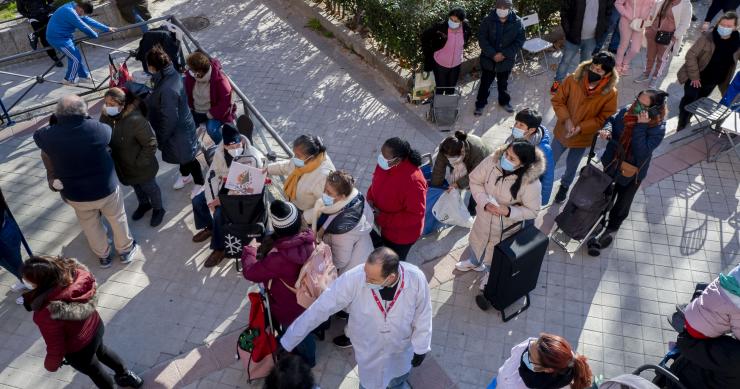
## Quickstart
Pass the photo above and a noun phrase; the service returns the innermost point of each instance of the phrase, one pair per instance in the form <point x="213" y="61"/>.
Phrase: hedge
<point x="396" y="25"/>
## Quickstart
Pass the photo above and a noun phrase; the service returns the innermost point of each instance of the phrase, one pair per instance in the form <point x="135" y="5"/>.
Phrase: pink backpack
<point x="316" y="275"/>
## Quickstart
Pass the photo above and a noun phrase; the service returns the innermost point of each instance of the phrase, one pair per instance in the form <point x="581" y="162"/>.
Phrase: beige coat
<point x="484" y="183"/>
<point x="310" y="186"/>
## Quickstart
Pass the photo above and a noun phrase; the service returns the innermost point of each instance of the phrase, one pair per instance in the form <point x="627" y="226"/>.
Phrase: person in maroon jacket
<point x="398" y="197"/>
<point x="63" y="297"/>
<point x="289" y="247"/>
<point x="209" y="94"/>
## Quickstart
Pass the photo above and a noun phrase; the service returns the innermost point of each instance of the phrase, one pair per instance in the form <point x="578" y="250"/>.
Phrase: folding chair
<point x="711" y="116"/>
<point x="730" y="129"/>
<point x="535" y="45"/>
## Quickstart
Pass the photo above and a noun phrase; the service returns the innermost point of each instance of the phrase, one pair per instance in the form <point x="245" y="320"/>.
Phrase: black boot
<point x="129" y="379"/>
<point x="140" y="211"/>
<point x="157" y="216"/>
<point x="562" y="194"/>
<point x="606" y="238"/>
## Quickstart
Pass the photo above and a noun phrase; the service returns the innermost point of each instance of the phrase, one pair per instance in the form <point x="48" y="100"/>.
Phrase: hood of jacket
<point x="76" y="301"/>
<point x="534" y="171"/>
<point x="608" y="87"/>
<point x="296" y="248"/>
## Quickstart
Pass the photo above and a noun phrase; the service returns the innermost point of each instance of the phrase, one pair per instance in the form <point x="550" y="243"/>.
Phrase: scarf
<point x="320" y="208"/>
<point x="590" y="92"/>
<point x="630" y="120"/>
<point x="729" y="283"/>
<point x="291" y="183"/>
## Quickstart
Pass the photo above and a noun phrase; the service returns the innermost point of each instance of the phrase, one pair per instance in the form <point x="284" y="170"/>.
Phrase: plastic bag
<point x="451" y="209"/>
<point x="424" y="86"/>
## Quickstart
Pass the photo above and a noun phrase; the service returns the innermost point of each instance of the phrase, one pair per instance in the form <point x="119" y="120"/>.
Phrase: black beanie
<point x="230" y="134"/>
<point x="285" y="218"/>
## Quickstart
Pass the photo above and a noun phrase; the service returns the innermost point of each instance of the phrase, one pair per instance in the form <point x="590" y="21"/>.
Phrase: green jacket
<point x="475" y="152"/>
<point x="133" y="146"/>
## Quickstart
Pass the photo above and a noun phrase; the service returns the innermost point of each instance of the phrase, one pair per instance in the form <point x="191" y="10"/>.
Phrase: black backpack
<point x="167" y="40"/>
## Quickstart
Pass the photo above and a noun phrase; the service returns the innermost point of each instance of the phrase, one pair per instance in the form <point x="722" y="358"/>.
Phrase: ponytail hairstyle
<point x="527" y="156"/>
<point x="401" y="148"/>
<point x="454" y="145"/>
<point x="310" y="144"/>
<point x="556" y="353"/>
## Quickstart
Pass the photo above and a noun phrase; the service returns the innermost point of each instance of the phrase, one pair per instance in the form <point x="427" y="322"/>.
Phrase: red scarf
<point x="629" y="120"/>
<point x="590" y="92"/>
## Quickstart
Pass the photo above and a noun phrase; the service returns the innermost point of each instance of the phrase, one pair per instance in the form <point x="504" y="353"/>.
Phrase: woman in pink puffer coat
<point x="630" y="10"/>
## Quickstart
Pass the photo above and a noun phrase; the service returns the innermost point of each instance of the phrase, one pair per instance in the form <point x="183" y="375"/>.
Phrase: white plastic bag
<point x="424" y="86"/>
<point x="451" y="209"/>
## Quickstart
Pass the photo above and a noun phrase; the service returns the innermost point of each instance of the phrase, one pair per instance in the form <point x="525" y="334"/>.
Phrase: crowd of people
<point x="370" y="234"/>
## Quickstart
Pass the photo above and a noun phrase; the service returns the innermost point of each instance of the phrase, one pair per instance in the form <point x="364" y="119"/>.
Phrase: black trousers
<point x="720" y="5"/>
<point x="486" y="80"/>
<point x="446" y="78"/>
<point x="87" y="361"/>
<point x="471" y="206"/>
<point x="691" y="94"/>
<point x="193" y="168"/>
<point x="625" y="194"/>
<point x="39" y="28"/>
<point x="401" y="249"/>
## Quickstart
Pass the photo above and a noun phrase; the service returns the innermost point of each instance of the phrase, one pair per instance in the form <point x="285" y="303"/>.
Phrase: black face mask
<point x="535" y="380"/>
<point x="593" y="77"/>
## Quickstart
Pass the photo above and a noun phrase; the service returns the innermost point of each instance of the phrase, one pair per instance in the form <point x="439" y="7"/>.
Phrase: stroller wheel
<point x="482" y="302"/>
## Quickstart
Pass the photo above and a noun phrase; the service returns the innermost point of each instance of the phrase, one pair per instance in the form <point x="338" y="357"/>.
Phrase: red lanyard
<point x="398" y="292"/>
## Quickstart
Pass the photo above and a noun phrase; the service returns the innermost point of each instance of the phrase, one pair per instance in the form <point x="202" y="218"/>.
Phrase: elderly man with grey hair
<point x="75" y="152"/>
<point x="390" y="318"/>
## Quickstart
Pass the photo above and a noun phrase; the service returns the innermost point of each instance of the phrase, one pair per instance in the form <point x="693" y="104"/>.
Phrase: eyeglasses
<point x="528" y="361"/>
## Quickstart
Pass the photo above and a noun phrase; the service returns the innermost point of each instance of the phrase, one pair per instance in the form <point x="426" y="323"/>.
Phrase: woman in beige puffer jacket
<point x="509" y="177"/>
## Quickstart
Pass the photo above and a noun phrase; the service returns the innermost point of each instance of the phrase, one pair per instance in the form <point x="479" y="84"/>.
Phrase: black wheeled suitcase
<point x="515" y="268"/>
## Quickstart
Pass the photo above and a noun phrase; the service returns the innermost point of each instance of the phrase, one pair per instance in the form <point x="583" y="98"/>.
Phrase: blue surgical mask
<point x="328" y="200"/>
<point x="517" y="133"/>
<point x="453" y="25"/>
<point x="384" y="163"/>
<point x="527" y="362"/>
<point x="298" y="162"/>
<point x="506" y="164"/>
<point x="724" y="31"/>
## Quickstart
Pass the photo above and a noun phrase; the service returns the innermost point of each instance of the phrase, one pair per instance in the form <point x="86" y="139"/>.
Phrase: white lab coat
<point x="383" y="348"/>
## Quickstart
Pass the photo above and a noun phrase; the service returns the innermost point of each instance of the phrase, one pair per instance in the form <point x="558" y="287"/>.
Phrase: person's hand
<point x="213" y="204"/>
<point x="281" y="353"/>
<point x="575" y="130"/>
<point x="605" y="134"/>
<point x="417" y="359"/>
<point x="568" y="125"/>
<point x="496" y="210"/>
<point x="451" y="187"/>
<point x="696" y="83"/>
<point x="498" y="57"/>
<point x="643" y="117"/>
<point x="112" y="29"/>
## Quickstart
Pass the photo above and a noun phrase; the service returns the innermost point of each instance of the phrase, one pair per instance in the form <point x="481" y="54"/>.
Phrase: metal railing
<point x="187" y="41"/>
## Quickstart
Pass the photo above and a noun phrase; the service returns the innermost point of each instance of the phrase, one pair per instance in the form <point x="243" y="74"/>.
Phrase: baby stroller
<point x="589" y="203"/>
<point x="635" y="381"/>
<point x="445" y="107"/>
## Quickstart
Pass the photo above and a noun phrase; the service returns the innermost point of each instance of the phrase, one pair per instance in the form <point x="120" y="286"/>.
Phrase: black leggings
<point x="192" y="168"/>
<point x="87" y="361"/>
<point x="720" y="5"/>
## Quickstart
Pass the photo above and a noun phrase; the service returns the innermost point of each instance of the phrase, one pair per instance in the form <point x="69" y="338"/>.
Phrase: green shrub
<point x="396" y="25"/>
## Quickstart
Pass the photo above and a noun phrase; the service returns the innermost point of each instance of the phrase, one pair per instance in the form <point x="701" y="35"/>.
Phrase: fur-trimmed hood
<point x="613" y="77"/>
<point x="75" y="302"/>
<point x="534" y="171"/>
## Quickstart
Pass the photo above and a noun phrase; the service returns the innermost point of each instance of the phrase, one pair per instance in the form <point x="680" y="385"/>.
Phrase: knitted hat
<point x="230" y="134"/>
<point x="285" y="218"/>
<point x="504" y="4"/>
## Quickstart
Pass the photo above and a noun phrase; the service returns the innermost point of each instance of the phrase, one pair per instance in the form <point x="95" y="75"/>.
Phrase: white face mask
<point x="453" y="25"/>
<point x="112" y="111"/>
<point x="502" y="13"/>
<point x="376" y="286"/>
<point x="236" y="152"/>
<point x="28" y="285"/>
<point x="454" y="160"/>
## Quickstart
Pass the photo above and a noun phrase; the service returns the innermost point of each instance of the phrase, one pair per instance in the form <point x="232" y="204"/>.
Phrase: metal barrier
<point x="187" y="41"/>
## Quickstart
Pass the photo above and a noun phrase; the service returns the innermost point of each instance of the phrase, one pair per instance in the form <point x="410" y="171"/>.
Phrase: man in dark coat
<point x="501" y="37"/>
<point x="38" y="13"/>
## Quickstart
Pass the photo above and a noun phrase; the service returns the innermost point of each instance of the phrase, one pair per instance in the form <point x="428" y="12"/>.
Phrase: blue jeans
<point x="570" y="51"/>
<point x="475" y="260"/>
<point x="571" y="162"/>
<point x="10" y="247"/>
<point x="611" y="27"/>
<point x="213" y="126"/>
<point x="139" y="19"/>
<point x="397" y="383"/>
<point x="203" y="220"/>
<point x="75" y="66"/>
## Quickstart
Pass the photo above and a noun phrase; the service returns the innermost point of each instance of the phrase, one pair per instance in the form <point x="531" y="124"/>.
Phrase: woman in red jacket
<point x="398" y="197"/>
<point x="289" y="247"/>
<point x="62" y="298"/>
<point x="209" y="94"/>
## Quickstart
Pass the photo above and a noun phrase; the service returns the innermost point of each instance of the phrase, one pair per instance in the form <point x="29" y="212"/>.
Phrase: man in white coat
<point x="390" y="318"/>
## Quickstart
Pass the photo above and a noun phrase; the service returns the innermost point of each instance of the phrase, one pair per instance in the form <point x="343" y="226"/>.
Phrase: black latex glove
<point x="280" y="353"/>
<point x="417" y="359"/>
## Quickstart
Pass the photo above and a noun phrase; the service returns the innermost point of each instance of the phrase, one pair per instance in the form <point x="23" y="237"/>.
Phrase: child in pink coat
<point x="630" y="10"/>
<point x="717" y="311"/>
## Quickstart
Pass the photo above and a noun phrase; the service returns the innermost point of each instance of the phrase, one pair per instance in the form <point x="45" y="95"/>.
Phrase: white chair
<point x="534" y="45"/>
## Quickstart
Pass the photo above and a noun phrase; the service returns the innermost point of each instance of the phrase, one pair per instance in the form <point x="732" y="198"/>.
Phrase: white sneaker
<point x="69" y="83"/>
<point x="653" y="83"/>
<point x="18" y="287"/>
<point x="195" y="191"/>
<point x="642" y="78"/>
<point x="86" y="80"/>
<point x="467" y="265"/>
<point x="19" y="300"/>
<point x="181" y="182"/>
<point x="483" y="281"/>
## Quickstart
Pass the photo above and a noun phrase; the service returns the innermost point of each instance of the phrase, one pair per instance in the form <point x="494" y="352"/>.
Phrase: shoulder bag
<point x="663" y="37"/>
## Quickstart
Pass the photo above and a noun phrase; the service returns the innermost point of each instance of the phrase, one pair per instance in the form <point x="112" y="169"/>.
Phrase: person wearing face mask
<point x="133" y="148"/>
<point x="209" y="94"/>
<point x="233" y="145"/>
<point x="10" y="247"/>
<point x="390" y="318"/>
<point x="546" y="362"/>
<point x="528" y="126"/>
<point x="501" y="37"/>
<point x="443" y="45"/>
<point x="582" y="104"/>
<point x="507" y="189"/>
<point x="287" y="250"/>
<point x="458" y="155"/>
<point x="306" y="172"/>
<point x="168" y="112"/>
<point x="716" y="7"/>
<point x="710" y="63"/>
<point x="397" y="194"/>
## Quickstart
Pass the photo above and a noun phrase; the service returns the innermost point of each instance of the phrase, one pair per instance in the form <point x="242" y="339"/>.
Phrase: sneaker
<point x="33" y="40"/>
<point x="129" y="256"/>
<point x="562" y="194"/>
<point x="642" y="78"/>
<point x="69" y="83"/>
<point x="508" y="108"/>
<point x="195" y="191"/>
<point x="19" y="287"/>
<point x="106" y="262"/>
<point x="86" y="80"/>
<point x="181" y="182"/>
<point x="19" y="300"/>
<point x="157" y="217"/>
<point x="554" y="87"/>
<point x="653" y="84"/>
<point x="129" y="379"/>
<point x="606" y="239"/>
<point x="140" y="211"/>
<point x="215" y="258"/>
<point x="467" y="265"/>
<point x="202" y="235"/>
<point x="342" y="341"/>
<point x="478" y="111"/>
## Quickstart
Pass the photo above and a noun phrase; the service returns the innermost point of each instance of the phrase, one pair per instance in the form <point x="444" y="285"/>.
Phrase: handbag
<point x="638" y="24"/>
<point x="663" y="37"/>
<point x="628" y="170"/>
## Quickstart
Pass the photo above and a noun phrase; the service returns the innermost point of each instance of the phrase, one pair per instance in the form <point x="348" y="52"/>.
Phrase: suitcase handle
<point x="509" y="228"/>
